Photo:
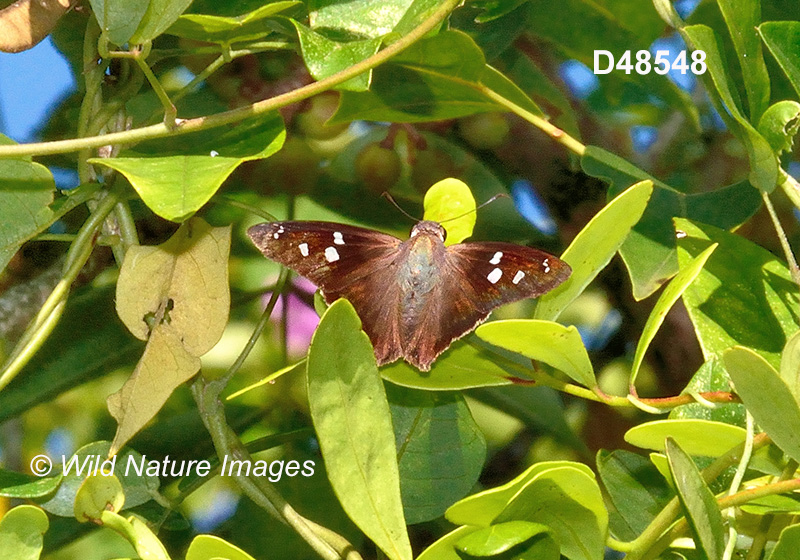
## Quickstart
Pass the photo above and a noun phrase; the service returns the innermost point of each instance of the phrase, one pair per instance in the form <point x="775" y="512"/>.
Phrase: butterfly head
<point x="429" y="228"/>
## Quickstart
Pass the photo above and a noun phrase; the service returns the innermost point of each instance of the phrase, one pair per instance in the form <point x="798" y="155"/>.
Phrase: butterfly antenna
<point x="495" y="197"/>
<point x="389" y="197"/>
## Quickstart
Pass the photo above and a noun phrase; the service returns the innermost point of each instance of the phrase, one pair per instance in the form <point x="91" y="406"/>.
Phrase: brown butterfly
<point x="414" y="297"/>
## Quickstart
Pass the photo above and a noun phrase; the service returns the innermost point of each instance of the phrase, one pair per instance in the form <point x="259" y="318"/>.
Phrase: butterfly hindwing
<point x="478" y="277"/>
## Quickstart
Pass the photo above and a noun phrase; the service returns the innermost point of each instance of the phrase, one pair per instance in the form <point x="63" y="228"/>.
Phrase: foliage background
<point x="711" y="143"/>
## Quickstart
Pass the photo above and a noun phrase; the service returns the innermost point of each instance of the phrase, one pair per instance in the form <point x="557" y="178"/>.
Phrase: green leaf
<point x="182" y="287"/>
<point x="362" y="18"/>
<point x="783" y="41"/>
<point x="225" y="30"/>
<point x="697" y="500"/>
<point x="742" y="18"/>
<point x="209" y="547"/>
<point x="324" y="57"/>
<point x="462" y="366"/>
<point x="176" y="186"/>
<point x="137" y="489"/>
<point x="697" y="437"/>
<point x="665" y="302"/>
<point x="18" y="485"/>
<point x="554" y="344"/>
<point x="96" y="494"/>
<point x="743" y="296"/>
<point x="354" y="427"/>
<point x="438" y="78"/>
<point x="445" y="547"/>
<point x="160" y="15"/>
<point x="711" y="376"/>
<point x="763" y="163"/>
<point x="119" y="19"/>
<point x="26" y="191"/>
<point x="788" y="544"/>
<point x="790" y="365"/>
<point x="21" y="532"/>
<point x="440" y="450"/>
<point x="766" y="397"/>
<point x="569" y="502"/>
<point x="483" y="508"/>
<point x="649" y="251"/>
<point x="450" y="202"/>
<point x="497" y="539"/>
<point x="594" y="246"/>
<point x="779" y="125"/>
<point x="635" y="487"/>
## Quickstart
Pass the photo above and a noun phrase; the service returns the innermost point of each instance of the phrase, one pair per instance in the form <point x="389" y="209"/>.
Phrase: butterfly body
<point x="414" y="297"/>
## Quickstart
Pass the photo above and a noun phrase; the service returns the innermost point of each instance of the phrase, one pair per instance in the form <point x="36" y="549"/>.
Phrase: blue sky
<point x="31" y="83"/>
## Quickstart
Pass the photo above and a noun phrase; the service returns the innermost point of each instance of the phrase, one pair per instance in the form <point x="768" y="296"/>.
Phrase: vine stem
<point x="541" y="123"/>
<point x="184" y="126"/>
<point x="53" y="307"/>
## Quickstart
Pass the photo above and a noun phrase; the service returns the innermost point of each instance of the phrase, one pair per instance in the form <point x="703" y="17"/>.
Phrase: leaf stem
<point x="184" y="126"/>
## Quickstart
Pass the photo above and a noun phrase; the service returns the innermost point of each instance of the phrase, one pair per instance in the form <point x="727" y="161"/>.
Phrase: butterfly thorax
<point x="418" y="272"/>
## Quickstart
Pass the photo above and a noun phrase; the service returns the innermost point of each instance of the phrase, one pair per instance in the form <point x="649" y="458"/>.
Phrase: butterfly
<point x="414" y="297"/>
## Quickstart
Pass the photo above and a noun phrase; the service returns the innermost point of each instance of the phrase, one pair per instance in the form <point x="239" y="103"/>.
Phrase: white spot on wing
<point x="495" y="275"/>
<point x="276" y="235"/>
<point x="517" y="277"/>
<point x="331" y="254"/>
<point x="337" y="238"/>
<point x="280" y="229"/>
<point x="546" y="264"/>
<point x="496" y="258"/>
<point x="414" y="232"/>
<point x="303" y="249"/>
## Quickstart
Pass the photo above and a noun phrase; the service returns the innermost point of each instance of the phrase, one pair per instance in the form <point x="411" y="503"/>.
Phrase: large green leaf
<point x="209" y="547"/>
<point x="324" y="57"/>
<point x="767" y="398"/>
<point x="649" y="251"/>
<point x="365" y="18"/>
<point x="635" y="487"/>
<point x="554" y="344"/>
<point x="462" y="366"/>
<point x="569" y="502"/>
<point x="594" y="246"/>
<point x="763" y="163"/>
<point x="353" y="423"/>
<point x="666" y="300"/>
<point x="783" y="40"/>
<point x="743" y="296"/>
<point x="438" y="78"/>
<point x="21" y="533"/>
<point x="440" y="450"/>
<point x="701" y="508"/>
<point x="483" y="508"/>
<point x="445" y="547"/>
<point x="176" y="186"/>
<point x="26" y="191"/>
<point x="697" y="437"/>
<point x="225" y="30"/>
<point x="787" y="545"/>
<point x="499" y="539"/>
<point x="742" y="18"/>
<point x="18" y="485"/>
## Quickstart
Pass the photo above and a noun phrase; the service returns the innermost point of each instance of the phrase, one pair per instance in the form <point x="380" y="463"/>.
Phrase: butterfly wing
<point x="477" y="278"/>
<point x="344" y="261"/>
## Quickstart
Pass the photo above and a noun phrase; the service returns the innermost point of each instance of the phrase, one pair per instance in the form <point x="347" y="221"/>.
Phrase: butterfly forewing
<point x="333" y="256"/>
<point x="344" y="261"/>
